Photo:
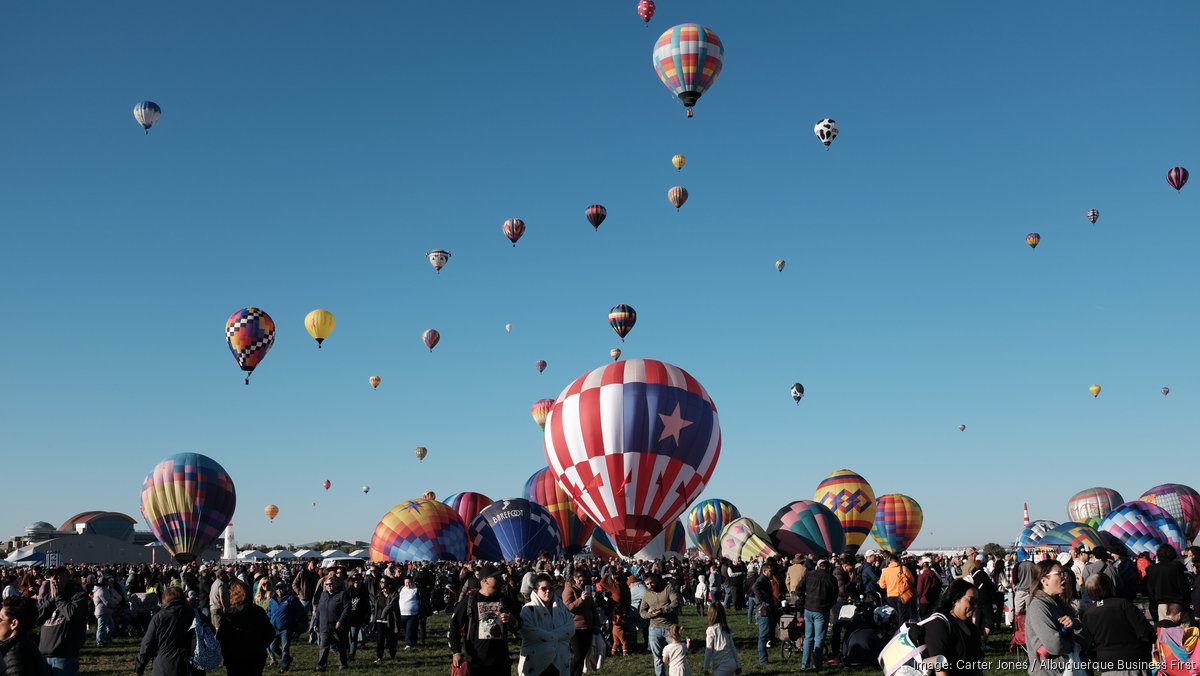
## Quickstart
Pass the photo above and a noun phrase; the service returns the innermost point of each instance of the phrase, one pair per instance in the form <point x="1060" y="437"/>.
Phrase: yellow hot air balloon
<point x="374" y="380"/>
<point x="853" y="502"/>
<point x="679" y="161"/>
<point x="320" y="324"/>
<point x="421" y="453"/>
<point x="1095" y="390"/>
<point x="271" y="511"/>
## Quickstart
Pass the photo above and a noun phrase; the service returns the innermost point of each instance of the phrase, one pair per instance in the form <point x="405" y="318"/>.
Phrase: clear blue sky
<point x="309" y="154"/>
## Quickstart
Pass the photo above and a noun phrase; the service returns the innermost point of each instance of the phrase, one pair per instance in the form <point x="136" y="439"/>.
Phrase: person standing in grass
<point x="245" y="633"/>
<point x="719" y="653"/>
<point x="547" y="628"/>
<point x="660" y="605"/>
<point x="387" y="619"/>
<point x="675" y="655"/>
<point x="168" y="639"/>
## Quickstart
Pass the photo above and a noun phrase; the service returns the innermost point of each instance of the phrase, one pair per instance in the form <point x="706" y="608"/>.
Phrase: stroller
<point x="791" y="634"/>
<point x="866" y="632"/>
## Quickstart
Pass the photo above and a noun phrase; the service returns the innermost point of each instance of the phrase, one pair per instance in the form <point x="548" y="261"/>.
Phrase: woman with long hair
<point x="953" y="640"/>
<point x="244" y="633"/>
<point x="1050" y="623"/>
<point x="719" y="653"/>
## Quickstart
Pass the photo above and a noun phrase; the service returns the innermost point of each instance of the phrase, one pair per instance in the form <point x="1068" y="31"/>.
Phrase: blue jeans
<point x="814" y="638"/>
<point x="764" y="634"/>
<point x="63" y="666"/>
<point x="104" y="629"/>
<point x="281" y="649"/>
<point x="409" y="624"/>
<point x="749" y="610"/>
<point x="658" y="641"/>
<point x="728" y="601"/>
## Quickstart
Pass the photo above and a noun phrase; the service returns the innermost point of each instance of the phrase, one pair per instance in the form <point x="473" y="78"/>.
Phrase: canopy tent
<point x="280" y="554"/>
<point x="307" y="554"/>
<point x="332" y="552"/>
<point x="361" y="554"/>
<point x="251" y="555"/>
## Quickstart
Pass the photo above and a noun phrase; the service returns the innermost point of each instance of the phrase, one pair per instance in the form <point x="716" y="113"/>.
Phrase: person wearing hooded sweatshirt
<point x="63" y="610"/>
<point x="547" y="628"/>
<point x="285" y="612"/>
<point x="107" y="600"/>
<point x="19" y="654"/>
<point x="168" y="639"/>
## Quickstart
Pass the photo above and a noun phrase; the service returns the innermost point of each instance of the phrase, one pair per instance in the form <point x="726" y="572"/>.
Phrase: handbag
<point x="463" y="668"/>
<point x="208" y="651"/>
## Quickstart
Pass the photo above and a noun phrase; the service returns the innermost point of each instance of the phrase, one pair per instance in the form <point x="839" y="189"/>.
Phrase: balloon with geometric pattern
<point x="1181" y="502"/>
<point x="187" y="500"/>
<point x="898" y="520"/>
<point x="1032" y="239"/>
<point x="1072" y="534"/>
<point x="622" y="318"/>
<point x="573" y="525"/>
<point x="468" y="505"/>
<point x="513" y="229"/>
<point x="671" y="543"/>
<point x="1031" y="535"/>
<point x="852" y="500"/>
<point x="514" y="528"/>
<point x="420" y="530"/>
<point x="1091" y="505"/>
<point x="1143" y="527"/>
<point x="705" y="521"/>
<point x="744" y="540"/>
<point x="645" y="9"/>
<point x="1093" y="215"/>
<point x="806" y="527"/>
<point x="688" y="59"/>
<point x="250" y="333"/>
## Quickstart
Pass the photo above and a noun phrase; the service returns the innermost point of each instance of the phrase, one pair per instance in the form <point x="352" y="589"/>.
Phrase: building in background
<point x="90" y="537"/>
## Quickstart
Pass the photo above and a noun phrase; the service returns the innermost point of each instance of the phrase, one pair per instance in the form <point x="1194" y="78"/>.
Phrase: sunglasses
<point x="543" y="589"/>
<point x="1054" y="574"/>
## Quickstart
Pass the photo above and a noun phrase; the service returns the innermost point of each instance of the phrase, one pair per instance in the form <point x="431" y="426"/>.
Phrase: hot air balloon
<point x="438" y="258"/>
<point x="430" y="495"/>
<point x="622" y="318"/>
<point x="1093" y="215"/>
<point x="575" y="528"/>
<point x="1032" y="239"/>
<point x="540" y="365"/>
<point x="374" y="380"/>
<point x="366" y="489"/>
<point x="1143" y="527"/>
<point x="595" y="215"/>
<point x="602" y="547"/>
<point x="797" y="393"/>
<point x="147" y="113"/>
<point x="677" y="196"/>
<point x="1095" y="390"/>
<point x="660" y="445"/>
<point x="1072" y="534"/>
<point x="540" y="409"/>
<point x="1177" y="178"/>
<point x="1029" y="537"/>
<point x="779" y="264"/>
<point x="420" y="530"/>
<point x="962" y="428"/>
<point x="898" y="520"/>
<point x="468" y="505"/>
<point x="645" y="9"/>
<point x="250" y="333"/>
<point x="314" y="504"/>
<point x="671" y="543"/>
<point x="705" y="522"/>
<point x="826" y="130"/>
<point x="421" y="452"/>
<point x="1181" y="502"/>
<point x="508" y="328"/>
<point x="327" y="484"/>
<point x="679" y="161"/>
<point x="513" y="229"/>
<point x="320" y="323"/>
<point x="430" y="337"/>
<point x="1091" y="505"/>
<point x="744" y="540"/>
<point x="615" y="353"/>
<point x="852" y="501"/>
<point x="271" y="511"/>
<point x="1165" y="391"/>
<point x="513" y="529"/>
<point x="806" y="527"/>
<point x="187" y="500"/>
<point x="688" y="59"/>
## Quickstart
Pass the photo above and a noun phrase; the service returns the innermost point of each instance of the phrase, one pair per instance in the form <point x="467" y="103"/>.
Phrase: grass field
<point x="434" y="659"/>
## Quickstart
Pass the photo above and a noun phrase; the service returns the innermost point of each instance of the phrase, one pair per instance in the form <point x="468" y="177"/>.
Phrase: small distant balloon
<point x="438" y="258"/>
<point x="320" y="323"/>
<point x="645" y="9"/>
<point x="431" y="337"/>
<point x="366" y="489"/>
<point x="615" y="353"/>
<point x="826" y="130"/>
<point x="962" y="428"/>
<point x="1032" y="239"/>
<point x="147" y="113"/>
<point x="513" y="229"/>
<point x="271" y="511"/>
<point x="596" y="214"/>
<point x="679" y="161"/>
<point x="1177" y="177"/>
<point x="779" y="264"/>
<point x="539" y="411"/>
<point x="327" y="484"/>
<point x="1166" y="391"/>
<point x="374" y="380"/>
<point x="677" y="196"/>
<point x="622" y="318"/>
<point x="540" y="365"/>
<point x="1095" y="390"/>
<point x="430" y="495"/>
<point x="797" y="393"/>
<point x="1093" y="215"/>
<point x="421" y="452"/>
<point x="508" y="328"/>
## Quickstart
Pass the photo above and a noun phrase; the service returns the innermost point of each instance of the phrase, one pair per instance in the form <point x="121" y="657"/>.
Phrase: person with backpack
<point x="899" y="585"/>
<point x="951" y="637"/>
<point x="168" y="639"/>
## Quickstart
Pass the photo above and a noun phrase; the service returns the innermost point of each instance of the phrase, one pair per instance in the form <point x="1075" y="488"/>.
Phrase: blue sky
<point x="310" y="153"/>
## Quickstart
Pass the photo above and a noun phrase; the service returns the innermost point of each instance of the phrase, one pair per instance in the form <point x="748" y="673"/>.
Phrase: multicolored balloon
<point x="320" y="323"/>
<point x="1177" y="177"/>
<point x="898" y="520"/>
<point x="271" y="511"/>
<point x="540" y="365"/>
<point x="602" y="547"/>
<point x="595" y="215"/>
<point x="615" y="353"/>
<point x="374" y="380"/>
<point x="1095" y="390"/>
<point x="688" y="59"/>
<point x="147" y="113"/>
<point x="1032" y="239"/>
<point x="826" y="131"/>
<point x="513" y="229"/>
<point x="852" y="500"/>
<point x="678" y="161"/>
<point x="622" y="318"/>
<point x="779" y="264"/>
<point x="250" y="333"/>
<point x="677" y="196"/>
<point x="1091" y="505"/>
<point x="421" y="452"/>
<point x="705" y="522"/>
<point x="1093" y="215"/>
<point x="744" y="540"/>
<point x="541" y="408"/>
<point x="512" y="529"/>
<point x="468" y="505"/>
<point x="1165" y="391"/>
<point x="671" y="543"/>
<point x="1143" y="527"/>
<point x="634" y="443"/>
<point x="438" y="258"/>
<point x="187" y="501"/>
<point x="575" y="528"/>
<point x="420" y="530"/>
<point x="1181" y="502"/>
<point x="430" y="337"/>
<point x="806" y="527"/>
<point x="645" y="9"/>
<point x="1072" y="534"/>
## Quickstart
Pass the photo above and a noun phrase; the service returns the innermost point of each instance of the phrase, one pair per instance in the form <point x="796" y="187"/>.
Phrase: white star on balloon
<point x="673" y="424"/>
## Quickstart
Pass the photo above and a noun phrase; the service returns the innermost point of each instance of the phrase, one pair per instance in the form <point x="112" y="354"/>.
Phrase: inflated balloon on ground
<point x="187" y="501"/>
<point x="419" y="530"/>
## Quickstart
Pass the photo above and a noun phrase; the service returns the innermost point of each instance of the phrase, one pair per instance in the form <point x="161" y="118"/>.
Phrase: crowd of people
<point x="565" y="614"/>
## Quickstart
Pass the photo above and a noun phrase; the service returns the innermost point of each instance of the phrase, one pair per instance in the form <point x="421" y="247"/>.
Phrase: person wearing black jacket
<point x="19" y="654"/>
<point x="168" y="639"/>
<point x="332" y="615"/>
<point x="953" y="639"/>
<point x="360" y="611"/>
<point x="1115" y="633"/>
<point x="480" y="626"/>
<point x="1166" y="581"/>
<point x="386" y="618"/>
<point x="245" y="633"/>
<point x="819" y="591"/>
<point x="63" y="610"/>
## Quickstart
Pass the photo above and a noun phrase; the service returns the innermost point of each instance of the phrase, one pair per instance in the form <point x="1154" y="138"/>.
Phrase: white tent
<point x="307" y="554"/>
<point x="332" y="552"/>
<point x="361" y="554"/>
<point x="251" y="555"/>
<point x="280" y="554"/>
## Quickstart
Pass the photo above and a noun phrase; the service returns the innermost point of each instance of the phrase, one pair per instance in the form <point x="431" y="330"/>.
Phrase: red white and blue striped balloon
<point x="634" y="443"/>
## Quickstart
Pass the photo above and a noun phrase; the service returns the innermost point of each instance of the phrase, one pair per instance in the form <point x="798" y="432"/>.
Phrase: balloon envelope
<point x="744" y="540"/>
<point x="541" y="408"/>
<point x="678" y="161"/>
<point x="574" y="527"/>
<point x="602" y="547"/>
<point x="250" y="333"/>
<point x="705" y="522"/>
<point x="468" y="505"/>
<point x="438" y="258"/>
<point x="1143" y="527"/>
<point x="1072" y="534"/>
<point x="806" y="527"/>
<point x="513" y="528"/>
<point x="374" y="380"/>
<point x="540" y="365"/>
<point x="1177" y="177"/>
<point x="1181" y="502"/>
<point x="271" y="511"/>
<point x="852" y="500"/>
<point x="513" y="229"/>
<point x="595" y="215"/>
<point x="147" y="113"/>
<point x="622" y="318"/>
<point x="421" y="452"/>
<point x="671" y="543"/>
<point x="1091" y="505"/>
<point x="634" y="442"/>
<point x="319" y="324"/>
<point x="187" y="500"/>
<point x="430" y="337"/>
<point x="1032" y="240"/>
<point x="419" y="530"/>
<point x="1095" y="390"/>
<point x="688" y="59"/>
<point x="898" y="520"/>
